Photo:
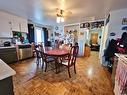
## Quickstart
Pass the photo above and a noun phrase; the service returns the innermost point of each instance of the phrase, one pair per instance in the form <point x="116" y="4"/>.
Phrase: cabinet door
<point x="16" y="23"/>
<point x="23" y="25"/>
<point x="5" y="26"/>
<point x="8" y="55"/>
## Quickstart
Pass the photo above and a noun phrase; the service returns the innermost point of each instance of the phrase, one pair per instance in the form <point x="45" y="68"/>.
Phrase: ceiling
<point x="44" y="11"/>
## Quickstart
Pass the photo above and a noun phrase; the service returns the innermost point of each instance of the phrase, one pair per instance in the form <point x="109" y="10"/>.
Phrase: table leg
<point x="57" y="65"/>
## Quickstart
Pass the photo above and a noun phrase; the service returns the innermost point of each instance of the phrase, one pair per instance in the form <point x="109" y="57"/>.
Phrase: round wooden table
<point x="57" y="54"/>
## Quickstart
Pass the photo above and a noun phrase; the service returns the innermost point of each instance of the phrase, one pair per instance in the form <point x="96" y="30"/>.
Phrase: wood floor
<point x="91" y="79"/>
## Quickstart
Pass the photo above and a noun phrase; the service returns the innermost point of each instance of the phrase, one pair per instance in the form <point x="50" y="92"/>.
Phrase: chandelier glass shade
<point x="59" y="19"/>
<point x="62" y="19"/>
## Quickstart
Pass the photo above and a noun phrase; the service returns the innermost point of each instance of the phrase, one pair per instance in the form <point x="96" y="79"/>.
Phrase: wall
<point x="115" y="26"/>
<point x="71" y="27"/>
<point x="72" y="32"/>
<point x="103" y="43"/>
<point x="59" y="29"/>
<point x="2" y="40"/>
<point x="115" y="23"/>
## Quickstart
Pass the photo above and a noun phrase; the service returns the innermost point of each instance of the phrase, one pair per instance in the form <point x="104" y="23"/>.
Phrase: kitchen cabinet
<point x="9" y="23"/>
<point x="19" y="24"/>
<point x="6" y="86"/>
<point x="8" y="55"/>
<point x="5" y="25"/>
<point x="6" y="81"/>
<point x="23" y="25"/>
<point x="114" y="66"/>
<point x="15" y="23"/>
<point x="87" y="51"/>
<point x="24" y="51"/>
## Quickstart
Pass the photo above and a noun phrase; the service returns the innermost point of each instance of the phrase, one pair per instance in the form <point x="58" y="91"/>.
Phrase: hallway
<point x="91" y="79"/>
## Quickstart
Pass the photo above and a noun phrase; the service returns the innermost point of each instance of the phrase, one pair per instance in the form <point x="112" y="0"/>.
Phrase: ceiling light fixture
<point x="60" y="17"/>
<point x="61" y="14"/>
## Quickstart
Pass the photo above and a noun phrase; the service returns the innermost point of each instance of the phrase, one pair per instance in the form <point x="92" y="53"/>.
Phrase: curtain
<point x="30" y="34"/>
<point x="45" y="36"/>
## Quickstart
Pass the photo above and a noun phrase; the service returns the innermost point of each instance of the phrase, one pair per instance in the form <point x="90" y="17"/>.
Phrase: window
<point x="39" y="35"/>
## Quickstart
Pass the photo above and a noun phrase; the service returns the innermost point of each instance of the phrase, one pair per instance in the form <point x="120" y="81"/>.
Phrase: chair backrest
<point x="44" y="56"/>
<point x="38" y="55"/>
<point x="73" y="55"/>
<point x="41" y="47"/>
<point x="38" y="49"/>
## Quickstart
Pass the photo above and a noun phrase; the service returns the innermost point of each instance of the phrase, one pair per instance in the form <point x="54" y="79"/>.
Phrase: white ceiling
<point x="44" y="11"/>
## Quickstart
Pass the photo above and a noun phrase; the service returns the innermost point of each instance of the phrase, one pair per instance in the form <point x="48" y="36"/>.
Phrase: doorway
<point x="94" y="38"/>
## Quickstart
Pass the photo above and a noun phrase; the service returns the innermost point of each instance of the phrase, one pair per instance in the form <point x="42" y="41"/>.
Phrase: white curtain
<point x="39" y="35"/>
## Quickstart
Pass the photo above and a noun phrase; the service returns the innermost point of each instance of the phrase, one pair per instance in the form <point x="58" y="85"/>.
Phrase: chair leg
<point x="45" y="66"/>
<point x="56" y="67"/>
<point x="74" y="69"/>
<point x="69" y="72"/>
<point x="37" y="61"/>
<point x="42" y="64"/>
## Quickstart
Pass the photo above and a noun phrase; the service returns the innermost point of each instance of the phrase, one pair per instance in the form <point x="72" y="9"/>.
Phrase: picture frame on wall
<point x="81" y="25"/>
<point x="87" y="25"/>
<point x="94" y="25"/>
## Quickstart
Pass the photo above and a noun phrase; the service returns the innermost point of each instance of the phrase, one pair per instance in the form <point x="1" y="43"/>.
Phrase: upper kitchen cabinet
<point x="15" y="23"/>
<point x="9" y="23"/>
<point x="5" y="25"/>
<point x="19" y="24"/>
<point x="23" y="25"/>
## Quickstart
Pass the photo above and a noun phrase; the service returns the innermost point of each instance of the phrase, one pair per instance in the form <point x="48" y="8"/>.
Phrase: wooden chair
<point x="38" y="55"/>
<point x="71" y="61"/>
<point x="36" y="51"/>
<point x="46" y="59"/>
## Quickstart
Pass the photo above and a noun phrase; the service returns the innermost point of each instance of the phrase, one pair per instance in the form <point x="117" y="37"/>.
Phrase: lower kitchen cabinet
<point x="8" y="55"/>
<point x="6" y="86"/>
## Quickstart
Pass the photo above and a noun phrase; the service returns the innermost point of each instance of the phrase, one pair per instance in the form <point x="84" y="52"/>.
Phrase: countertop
<point x="5" y="70"/>
<point x="21" y="44"/>
<point x="13" y="46"/>
<point x="7" y="47"/>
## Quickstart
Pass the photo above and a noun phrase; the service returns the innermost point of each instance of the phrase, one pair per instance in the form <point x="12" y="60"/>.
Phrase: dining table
<point x="57" y="53"/>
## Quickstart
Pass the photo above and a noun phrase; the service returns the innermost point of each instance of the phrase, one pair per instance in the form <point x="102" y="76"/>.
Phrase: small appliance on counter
<point x="7" y="43"/>
<point x="16" y="40"/>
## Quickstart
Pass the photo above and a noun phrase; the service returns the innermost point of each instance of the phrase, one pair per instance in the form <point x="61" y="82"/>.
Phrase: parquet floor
<point x="91" y="79"/>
